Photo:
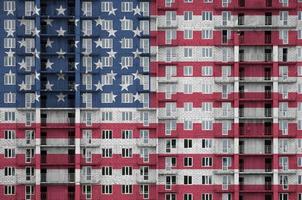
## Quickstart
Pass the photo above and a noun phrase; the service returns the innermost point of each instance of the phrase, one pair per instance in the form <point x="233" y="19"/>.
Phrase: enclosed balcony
<point x="255" y="130"/>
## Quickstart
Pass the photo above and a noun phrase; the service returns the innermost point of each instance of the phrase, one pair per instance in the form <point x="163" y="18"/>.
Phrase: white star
<point x="22" y="21"/>
<point x="123" y="66"/>
<point x="76" y="22"/>
<point x="98" y="86"/>
<point x="137" y="11"/>
<point x="124" y="86"/>
<point x="124" y="19"/>
<point x="99" y="64"/>
<point x="36" y="32"/>
<point x="22" y="43"/>
<point x="113" y="96"/>
<point x="49" y="43"/>
<point x="49" y="64"/>
<point x="48" y="21"/>
<point x="61" y="97"/>
<point x="76" y="65"/>
<point x="112" y="11"/>
<point x="98" y="43"/>
<point x="37" y="97"/>
<point x="137" y="32"/>
<point x="37" y="75"/>
<point x="86" y="52"/>
<point x="22" y="86"/>
<point x="76" y="87"/>
<point x="111" y="53"/>
<point x="111" y="32"/>
<point x="98" y="21"/>
<point x="76" y="44"/>
<point x="61" y="10"/>
<point x="10" y="32"/>
<point x="61" y="76"/>
<point x="22" y="64"/>
<point x="61" y="53"/>
<point x="48" y="86"/>
<point x="137" y="97"/>
<point x="10" y="12"/>
<point x="112" y="74"/>
<point x="136" y="75"/>
<point x="36" y="53"/>
<point x="61" y="31"/>
<point x="136" y="53"/>
<point x="10" y="53"/>
<point x="86" y="33"/>
<point x="37" y="10"/>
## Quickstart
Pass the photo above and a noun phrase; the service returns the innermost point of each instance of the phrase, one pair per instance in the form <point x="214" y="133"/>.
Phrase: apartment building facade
<point x="151" y="99"/>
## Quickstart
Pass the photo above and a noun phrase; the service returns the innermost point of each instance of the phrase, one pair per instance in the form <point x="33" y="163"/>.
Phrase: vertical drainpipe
<point x="275" y="123"/>
<point x="77" y="100"/>
<point x="236" y="115"/>
<point x="38" y="112"/>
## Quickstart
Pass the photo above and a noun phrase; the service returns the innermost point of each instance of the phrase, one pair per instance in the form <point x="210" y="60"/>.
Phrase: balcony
<point x="146" y="142"/>
<point x="168" y="80"/>
<point x="51" y="178"/>
<point x="288" y="114"/>
<point x="146" y="179"/>
<point x="221" y="114"/>
<point x="255" y="130"/>
<point x="224" y="79"/>
<point x="57" y="143"/>
<point x="287" y="79"/>
<point x="254" y="114"/>
<point x="244" y="79"/>
<point x="167" y="24"/>
<point x="53" y="159"/>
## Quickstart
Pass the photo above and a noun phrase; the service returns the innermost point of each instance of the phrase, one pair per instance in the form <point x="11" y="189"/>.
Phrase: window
<point x="188" y="15"/>
<point x="106" y="134"/>
<point x="188" y="34"/>
<point x="87" y="8"/>
<point x="188" y="70"/>
<point x="206" y="52"/>
<point x="126" y="134"/>
<point x="283" y="196"/>
<point x="188" y="106"/>
<point x="9" y="134"/>
<point x="206" y="143"/>
<point x="188" y="162"/>
<point x="126" y="62"/>
<point x="107" y="25"/>
<point x="188" y="124"/>
<point x="126" y="189"/>
<point x="9" y="153"/>
<point x="188" y="52"/>
<point x="126" y="24"/>
<point x="107" y="98"/>
<point x="9" y="116"/>
<point x="87" y="190"/>
<point x="9" y="43"/>
<point x="206" y="162"/>
<point x="207" y="34"/>
<point x="187" y="180"/>
<point x="107" y="152"/>
<point x="87" y="27"/>
<point x="299" y="161"/>
<point x="9" y="189"/>
<point x="106" y="6"/>
<point x="207" y="16"/>
<point x="207" y="106"/>
<point x="127" y="171"/>
<point x="188" y="88"/>
<point x="207" y="71"/>
<point x="107" y="171"/>
<point x="126" y="116"/>
<point x="206" y="88"/>
<point x="188" y="196"/>
<point x="188" y="143"/>
<point x="126" y="152"/>
<point x="107" y="189"/>
<point x="206" y="180"/>
<point x="9" y="78"/>
<point x="9" y="171"/>
<point x="9" y="7"/>
<point x="126" y="43"/>
<point x="106" y="116"/>
<point x="127" y="6"/>
<point x="207" y="125"/>
<point x="29" y="7"/>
